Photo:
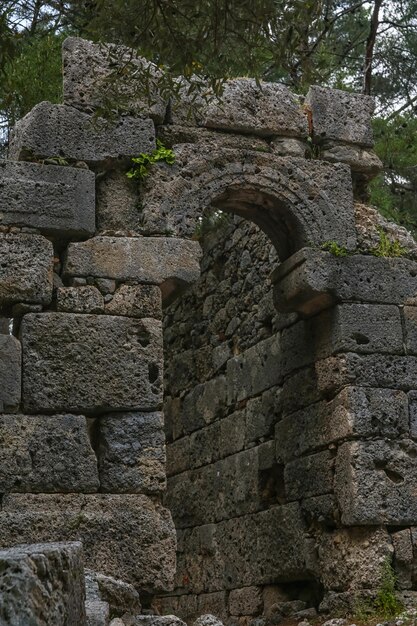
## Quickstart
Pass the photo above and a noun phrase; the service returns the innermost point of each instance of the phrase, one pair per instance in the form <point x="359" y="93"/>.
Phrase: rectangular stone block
<point x="165" y="261"/>
<point x="84" y="299"/>
<point x="131" y="453"/>
<point x="42" y="584"/>
<point x="127" y="536"/>
<point x="91" y="71"/>
<point x="245" y="601"/>
<point x="136" y="301"/>
<point x="341" y="115"/>
<point x="32" y="458"/>
<point x="410" y="329"/>
<point x="56" y="200"/>
<point x="375" y="482"/>
<point x="51" y="130"/>
<point x="309" y="476"/>
<point x="204" y="404"/>
<point x="178" y="456"/>
<point x="265" y="109"/>
<point x="26" y="269"/>
<point x="91" y="363"/>
<point x="255" y="370"/>
<point x="10" y="373"/>
<point x="355" y="412"/>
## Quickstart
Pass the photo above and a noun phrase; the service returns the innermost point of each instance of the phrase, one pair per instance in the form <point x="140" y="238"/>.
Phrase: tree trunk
<point x="369" y="49"/>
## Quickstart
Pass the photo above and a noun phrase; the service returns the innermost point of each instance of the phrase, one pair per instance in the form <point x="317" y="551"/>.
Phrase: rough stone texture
<point x="97" y="613"/>
<point x="208" y="620"/>
<point x="131" y="453"/>
<point x="129" y="537"/>
<point x="352" y="559"/>
<point x="156" y="620"/>
<point x="403" y="557"/>
<point x="52" y="130"/>
<point x="10" y="373"/>
<point x="136" y="301"/>
<point x="369" y="221"/>
<point x="42" y="584"/>
<point x="158" y="260"/>
<point x="56" y="200"/>
<point x="86" y="299"/>
<point x="46" y="453"/>
<point x="91" y="363"/>
<point x="246" y="601"/>
<point x="90" y="74"/>
<point x="121" y="596"/>
<point x="266" y="109"/>
<point x="25" y="270"/>
<point x="360" y="161"/>
<point x="374" y="482"/>
<point x="341" y="116"/>
<point x="356" y="411"/>
<point x="118" y="204"/>
<point x="311" y="199"/>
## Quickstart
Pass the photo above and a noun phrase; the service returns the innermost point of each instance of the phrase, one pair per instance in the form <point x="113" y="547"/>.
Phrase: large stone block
<point x="164" y="261"/>
<point x="10" y="373"/>
<point x="26" y="269"/>
<point x="136" y="301"/>
<point x="131" y="453"/>
<point x="42" y="584"/>
<point x="91" y="363"/>
<point x="312" y="280"/>
<point x="309" y="476"/>
<point x="94" y="73"/>
<point x="204" y="404"/>
<point x="84" y="299"/>
<point x="125" y="536"/>
<point x="375" y="482"/>
<point x="32" y="457"/>
<point x="118" y="204"/>
<point x="52" y="130"/>
<point x="341" y="115"/>
<point x="353" y="558"/>
<point x="255" y="370"/>
<point x="311" y="199"/>
<point x="265" y="109"/>
<point x="355" y="412"/>
<point x="57" y="200"/>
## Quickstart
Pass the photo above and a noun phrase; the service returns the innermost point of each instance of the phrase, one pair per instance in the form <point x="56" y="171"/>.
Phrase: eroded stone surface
<point x="10" y="373"/>
<point x="91" y="72"/>
<point x="125" y="536"/>
<point x="86" y="299"/>
<point x="136" y="301"/>
<point x="46" y="453"/>
<point x="131" y="453"/>
<point x="91" y="363"/>
<point x="26" y="269"/>
<point x="42" y="584"/>
<point x="52" y="130"/>
<point x="53" y="199"/>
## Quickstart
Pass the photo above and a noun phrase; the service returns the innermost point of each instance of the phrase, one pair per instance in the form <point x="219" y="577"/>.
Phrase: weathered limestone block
<point x="360" y="161"/>
<point x="86" y="299"/>
<point x="92" y="72"/>
<point x="204" y="404"/>
<point x="136" y="301"/>
<point x="311" y="199"/>
<point x="42" y="584"/>
<point x="52" y="130"/>
<point x="353" y="558"/>
<point x="56" y="200"/>
<point x="312" y="280"/>
<point x="26" y="269"/>
<point x="266" y="109"/>
<point x="120" y="595"/>
<point x="356" y="411"/>
<point x="255" y="370"/>
<point x="164" y="261"/>
<point x="118" y="204"/>
<point x="309" y="476"/>
<point x="375" y="482"/>
<point x="131" y="453"/>
<point x="125" y="536"/>
<point x="91" y="363"/>
<point x="245" y="601"/>
<point x="156" y="620"/>
<point x="341" y="115"/>
<point x="97" y="613"/>
<point x="403" y="557"/>
<point x="46" y="453"/>
<point x="10" y="373"/>
<point x="410" y="329"/>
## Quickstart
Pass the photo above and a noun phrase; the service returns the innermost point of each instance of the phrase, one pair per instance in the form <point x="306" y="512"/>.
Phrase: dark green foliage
<point x="143" y="162"/>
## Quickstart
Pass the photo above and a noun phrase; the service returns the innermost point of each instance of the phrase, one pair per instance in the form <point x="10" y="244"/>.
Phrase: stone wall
<point x="289" y="405"/>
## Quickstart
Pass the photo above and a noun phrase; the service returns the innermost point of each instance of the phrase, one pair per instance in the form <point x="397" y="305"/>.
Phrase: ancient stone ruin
<point x="284" y="412"/>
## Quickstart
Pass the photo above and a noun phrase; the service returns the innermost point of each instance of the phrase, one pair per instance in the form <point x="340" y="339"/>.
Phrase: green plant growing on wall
<point x="144" y="161"/>
<point x="386" y="604"/>
<point x="334" y="248"/>
<point x="386" y="247"/>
